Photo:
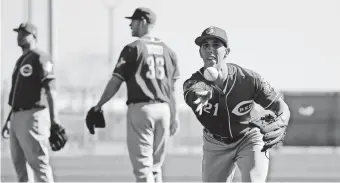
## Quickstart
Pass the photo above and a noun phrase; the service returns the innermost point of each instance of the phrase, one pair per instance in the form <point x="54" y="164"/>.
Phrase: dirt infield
<point x="285" y="167"/>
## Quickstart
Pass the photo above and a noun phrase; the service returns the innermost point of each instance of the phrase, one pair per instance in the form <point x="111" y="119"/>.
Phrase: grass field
<point x="303" y="166"/>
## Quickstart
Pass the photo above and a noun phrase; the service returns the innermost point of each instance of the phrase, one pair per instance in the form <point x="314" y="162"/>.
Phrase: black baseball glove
<point x="95" y="119"/>
<point x="58" y="137"/>
<point x="272" y="128"/>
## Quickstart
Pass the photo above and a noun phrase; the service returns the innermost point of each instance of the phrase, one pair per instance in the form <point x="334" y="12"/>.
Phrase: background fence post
<point x="332" y="121"/>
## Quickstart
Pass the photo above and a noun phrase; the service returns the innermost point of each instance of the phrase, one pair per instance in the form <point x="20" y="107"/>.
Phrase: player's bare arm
<point x="110" y="90"/>
<point x="51" y="94"/>
<point x="174" y="121"/>
<point x="49" y="85"/>
<point x="174" y="126"/>
<point x="58" y="137"/>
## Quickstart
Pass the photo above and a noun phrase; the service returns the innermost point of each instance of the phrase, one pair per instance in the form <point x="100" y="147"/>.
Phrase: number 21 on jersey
<point x="155" y="67"/>
<point x="211" y="108"/>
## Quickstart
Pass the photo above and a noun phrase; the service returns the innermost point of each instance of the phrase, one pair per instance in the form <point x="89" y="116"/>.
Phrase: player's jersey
<point x="228" y="111"/>
<point x="31" y="70"/>
<point x="149" y="67"/>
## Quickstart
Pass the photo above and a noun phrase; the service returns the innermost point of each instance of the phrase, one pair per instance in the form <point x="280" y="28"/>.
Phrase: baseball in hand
<point x="211" y="74"/>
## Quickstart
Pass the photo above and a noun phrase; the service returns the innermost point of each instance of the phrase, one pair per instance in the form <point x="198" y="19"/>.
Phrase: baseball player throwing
<point x="33" y="125"/>
<point x="222" y="103"/>
<point x="149" y="69"/>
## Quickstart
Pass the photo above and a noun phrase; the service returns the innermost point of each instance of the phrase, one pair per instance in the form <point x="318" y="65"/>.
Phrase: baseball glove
<point x="94" y="119"/>
<point x="58" y="137"/>
<point x="272" y="129"/>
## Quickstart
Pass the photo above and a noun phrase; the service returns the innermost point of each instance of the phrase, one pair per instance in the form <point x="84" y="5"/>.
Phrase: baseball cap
<point x="212" y="32"/>
<point x="143" y="13"/>
<point x="28" y="27"/>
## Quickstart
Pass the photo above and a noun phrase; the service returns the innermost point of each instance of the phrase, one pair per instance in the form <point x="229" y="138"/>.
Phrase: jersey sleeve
<point x="265" y="94"/>
<point x="47" y="67"/>
<point x="124" y="66"/>
<point x="190" y="86"/>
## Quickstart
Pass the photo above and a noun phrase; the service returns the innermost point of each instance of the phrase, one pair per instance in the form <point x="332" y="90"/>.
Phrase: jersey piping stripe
<point x="229" y="122"/>
<point x="275" y="99"/>
<point x="185" y="96"/>
<point x="232" y="87"/>
<point x="118" y="75"/>
<point x="201" y="73"/>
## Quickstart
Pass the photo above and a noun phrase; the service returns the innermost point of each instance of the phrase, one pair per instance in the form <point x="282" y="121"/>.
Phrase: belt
<point x="17" y="109"/>
<point x="151" y="101"/>
<point x="226" y="140"/>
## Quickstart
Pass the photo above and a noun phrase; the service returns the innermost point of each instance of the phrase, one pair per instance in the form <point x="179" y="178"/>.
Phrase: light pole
<point x="51" y="27"/>
<point x="111" y="5"/>
<point x="27" y="11"/>
<point x="110" y="34"/>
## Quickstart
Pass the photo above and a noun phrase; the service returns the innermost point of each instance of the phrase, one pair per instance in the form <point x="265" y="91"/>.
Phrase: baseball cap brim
<point x="18" y="29"/>
<point x="133" y="18"/>
<point x="200" y="39"/>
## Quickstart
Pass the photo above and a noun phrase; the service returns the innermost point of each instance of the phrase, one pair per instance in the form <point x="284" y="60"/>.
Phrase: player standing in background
<point x="30" y="120"/>
<point x="150" y="70"/>
<point x="223" y="108"/>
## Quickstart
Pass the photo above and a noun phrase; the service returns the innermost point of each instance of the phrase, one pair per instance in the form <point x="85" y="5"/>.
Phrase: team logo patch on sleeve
<point x="120" y="62"/>
<point x="26" y="70"/>
<point x="48" y="66"/>
<point x="266" y="87"/>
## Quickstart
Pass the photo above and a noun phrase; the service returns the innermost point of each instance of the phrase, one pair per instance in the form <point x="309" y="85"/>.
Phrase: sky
<point x="294" y="44"/>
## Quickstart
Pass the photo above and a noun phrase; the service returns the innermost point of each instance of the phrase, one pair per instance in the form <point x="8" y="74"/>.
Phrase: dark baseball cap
<point x="143" y="13"/>
<point x="212" y="32"/>
<point x="28" y="27"/>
